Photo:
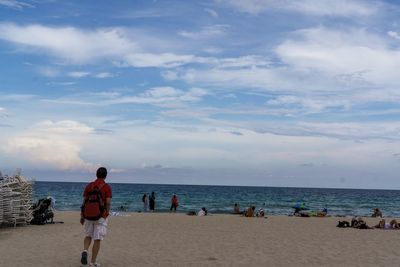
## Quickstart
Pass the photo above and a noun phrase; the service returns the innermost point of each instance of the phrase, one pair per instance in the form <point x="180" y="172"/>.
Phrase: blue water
<point x="220" y="199"/>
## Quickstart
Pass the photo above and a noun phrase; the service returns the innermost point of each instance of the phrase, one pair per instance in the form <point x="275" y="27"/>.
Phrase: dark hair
<point x="101" y="173"/>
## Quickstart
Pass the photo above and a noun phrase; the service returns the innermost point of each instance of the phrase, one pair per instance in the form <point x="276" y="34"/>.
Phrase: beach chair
<point x="16" y="194"/>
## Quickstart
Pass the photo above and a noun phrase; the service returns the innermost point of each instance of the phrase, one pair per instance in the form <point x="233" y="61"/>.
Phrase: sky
<point x="301" y="93"/>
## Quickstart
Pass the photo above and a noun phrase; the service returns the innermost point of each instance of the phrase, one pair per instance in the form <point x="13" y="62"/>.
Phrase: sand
<point x="218" y="240"/>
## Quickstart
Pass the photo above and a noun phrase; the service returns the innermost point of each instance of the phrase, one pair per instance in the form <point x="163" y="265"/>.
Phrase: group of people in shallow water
<point x="149" y="202"/>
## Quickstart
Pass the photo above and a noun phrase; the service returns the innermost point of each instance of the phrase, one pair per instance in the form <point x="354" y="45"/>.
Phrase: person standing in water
<point x="145" y="202"/>
<point x="152" y="201"/>
<point x="174" y="203"/>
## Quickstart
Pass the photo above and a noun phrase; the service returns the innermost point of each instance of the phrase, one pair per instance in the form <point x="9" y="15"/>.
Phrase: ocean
<point x="220" y="199"/>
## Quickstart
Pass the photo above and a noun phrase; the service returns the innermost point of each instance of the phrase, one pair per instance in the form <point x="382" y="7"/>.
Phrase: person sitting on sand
<point x="250" y="211"/>
<point x="343" y="224"/>
<point x="202" y="212"/>
<point x="387" y="226"/>
<point x="304" y="213"/>
<point x="377" y="213"/>
<point x="236" y="209"/>
<point x="260" y="213"/>
<point x="359" y="223"/>
<point x="298" y="208"/>
<point x="322" y="213"/>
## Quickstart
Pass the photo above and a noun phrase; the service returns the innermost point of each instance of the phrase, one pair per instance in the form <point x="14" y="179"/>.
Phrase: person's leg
<point x="86" y="243"/>
<point x="95" y="250"/>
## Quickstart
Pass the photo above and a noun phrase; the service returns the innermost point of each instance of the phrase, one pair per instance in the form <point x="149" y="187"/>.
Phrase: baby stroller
<point x="42" y="212"/>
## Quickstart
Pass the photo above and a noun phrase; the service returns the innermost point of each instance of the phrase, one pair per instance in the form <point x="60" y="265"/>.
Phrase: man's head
<point x="101" y="173"/>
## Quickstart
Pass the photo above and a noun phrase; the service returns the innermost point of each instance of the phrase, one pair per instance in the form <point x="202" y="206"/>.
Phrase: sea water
<point x="220" y="199"/>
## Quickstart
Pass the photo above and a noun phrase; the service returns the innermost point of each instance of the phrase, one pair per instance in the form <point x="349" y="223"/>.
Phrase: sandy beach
<point x="217" y="240"/>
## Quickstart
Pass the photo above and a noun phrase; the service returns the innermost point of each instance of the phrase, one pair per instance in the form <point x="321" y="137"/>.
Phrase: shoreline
<point x="167" y="239"/>
<point x="222" y="199"/>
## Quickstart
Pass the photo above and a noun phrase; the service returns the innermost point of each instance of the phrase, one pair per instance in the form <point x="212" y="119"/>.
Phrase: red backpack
<point x="93" y="208"/>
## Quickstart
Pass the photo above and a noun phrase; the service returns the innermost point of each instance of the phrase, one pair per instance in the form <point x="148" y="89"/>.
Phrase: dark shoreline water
<point x="220" y="199"/>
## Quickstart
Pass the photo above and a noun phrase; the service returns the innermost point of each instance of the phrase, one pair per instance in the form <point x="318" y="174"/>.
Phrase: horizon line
<point x="222" y="185"/>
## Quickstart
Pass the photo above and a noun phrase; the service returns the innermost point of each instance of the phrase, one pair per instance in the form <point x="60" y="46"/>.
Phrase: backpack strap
<point x="100" y="187"/>
<point x="93" y="186"/>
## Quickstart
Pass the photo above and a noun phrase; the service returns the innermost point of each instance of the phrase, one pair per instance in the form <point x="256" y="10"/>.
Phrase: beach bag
<point x="93" y="208"/>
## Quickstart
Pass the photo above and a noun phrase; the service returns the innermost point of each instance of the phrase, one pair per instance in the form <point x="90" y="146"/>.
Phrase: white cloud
<point x="206" y="32"/>
<point x="77" y="46"/>
<point x="48" y="71"/>
<point x="16" y="97"/>
<point x="216" y="147"/>
<point x="251" y="61"/>
<point x="159" y="92"/>
<point x="15" y="4"/>
<point x="52" y="145"/>
<point x="61" y="83"/>
<point x="393" y="34"/>
<point x="103" y="75"/>
<point x="345" y="8"/>
<point x="71" y="44"/>
<point x="165" y="60"/>
<point x="334" y="52"/>
<point x="211" y="12"/>
<point x="166" y="96"/>
<point x="309" y="105"/>
<point x="354" y="131"/>
<point x="78" y="74"/>
<point x="212" y="50"/>
<point x="82" y="74"/>
<point x="310" y="60"/>
<point x="251" y="78"/>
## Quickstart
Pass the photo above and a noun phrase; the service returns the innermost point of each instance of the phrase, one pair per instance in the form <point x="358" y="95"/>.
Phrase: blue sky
<point x="251" y="92"/>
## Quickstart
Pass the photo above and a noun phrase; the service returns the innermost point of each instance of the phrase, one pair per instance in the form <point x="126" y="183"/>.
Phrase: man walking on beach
<point x="94" y="214"/>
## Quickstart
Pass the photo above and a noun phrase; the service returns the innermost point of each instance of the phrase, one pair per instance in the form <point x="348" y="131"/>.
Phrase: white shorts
<point x="97" y="230"/>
